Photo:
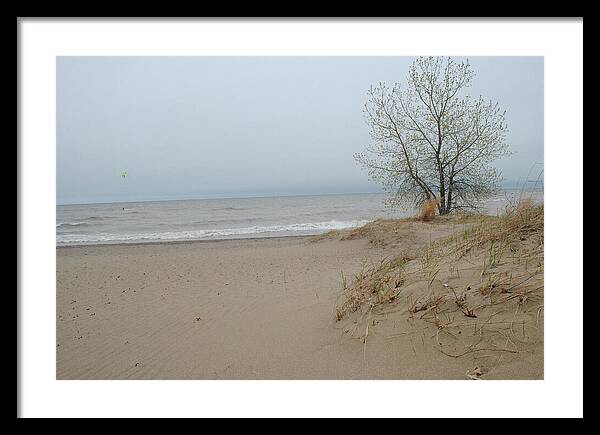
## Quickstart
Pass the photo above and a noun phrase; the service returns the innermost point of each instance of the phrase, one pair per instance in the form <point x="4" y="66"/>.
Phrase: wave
<point x="95" y="218"/>
<point x="85" y="221"/>
<point x="229" y="208"/>
<point x="71" y="224"/>
<point x="274" y="230"/>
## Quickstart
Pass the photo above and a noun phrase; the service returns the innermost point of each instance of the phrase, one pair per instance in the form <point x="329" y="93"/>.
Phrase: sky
<point x="207" y="127"/>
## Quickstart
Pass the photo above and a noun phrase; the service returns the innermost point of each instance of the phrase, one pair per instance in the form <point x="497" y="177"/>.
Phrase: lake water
<point x="206" y="219"/>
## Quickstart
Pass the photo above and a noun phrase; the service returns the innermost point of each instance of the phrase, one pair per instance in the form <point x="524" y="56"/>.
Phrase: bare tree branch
<point x="431" y="141"/>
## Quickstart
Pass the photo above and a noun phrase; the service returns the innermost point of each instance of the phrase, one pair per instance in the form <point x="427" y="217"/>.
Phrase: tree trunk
<point x="449" y="202"/>
<point x="442" y="206"/>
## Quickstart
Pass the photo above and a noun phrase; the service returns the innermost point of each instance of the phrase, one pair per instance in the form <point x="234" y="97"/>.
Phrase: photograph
<point x="300" y="217"/>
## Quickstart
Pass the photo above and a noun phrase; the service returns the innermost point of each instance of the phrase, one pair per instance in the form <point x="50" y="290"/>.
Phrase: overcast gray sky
<point x="196" y="127"/>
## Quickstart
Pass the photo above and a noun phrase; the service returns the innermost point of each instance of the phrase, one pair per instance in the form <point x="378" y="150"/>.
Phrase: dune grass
<point x="515" y="236"/>
<point x="372" y="286"/>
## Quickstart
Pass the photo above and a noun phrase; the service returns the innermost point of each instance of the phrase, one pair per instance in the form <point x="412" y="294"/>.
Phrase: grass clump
<point x="427" y="210"/>
<point x="372" y="286"/>
<point x="519" y="223"/>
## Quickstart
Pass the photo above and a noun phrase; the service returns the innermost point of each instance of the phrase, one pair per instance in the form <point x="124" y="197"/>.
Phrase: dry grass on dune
<point x="372" y="286"/>
<point x="427" y="210"/>
<point x="488" y="277"/>
<point x="498" y="234"/>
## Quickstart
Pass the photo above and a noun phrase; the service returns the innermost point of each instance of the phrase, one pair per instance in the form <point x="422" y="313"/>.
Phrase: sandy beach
<point x="261" y="309"/>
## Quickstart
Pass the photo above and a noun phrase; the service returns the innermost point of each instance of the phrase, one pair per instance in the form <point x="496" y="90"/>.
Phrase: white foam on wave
<point x="290" y="229"/>
<point x="71" y="224"/>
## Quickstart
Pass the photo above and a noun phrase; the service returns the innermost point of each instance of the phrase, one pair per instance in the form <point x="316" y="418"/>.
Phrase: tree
<point x="432" y="142"/>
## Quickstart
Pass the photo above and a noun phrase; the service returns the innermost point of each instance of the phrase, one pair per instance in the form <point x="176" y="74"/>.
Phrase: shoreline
<point x="184" y="242"/>
<point x="225" y="239"/>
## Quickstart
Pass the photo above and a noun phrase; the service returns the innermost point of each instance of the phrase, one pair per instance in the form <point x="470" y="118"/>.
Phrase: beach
<point x="259" y="309"/>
